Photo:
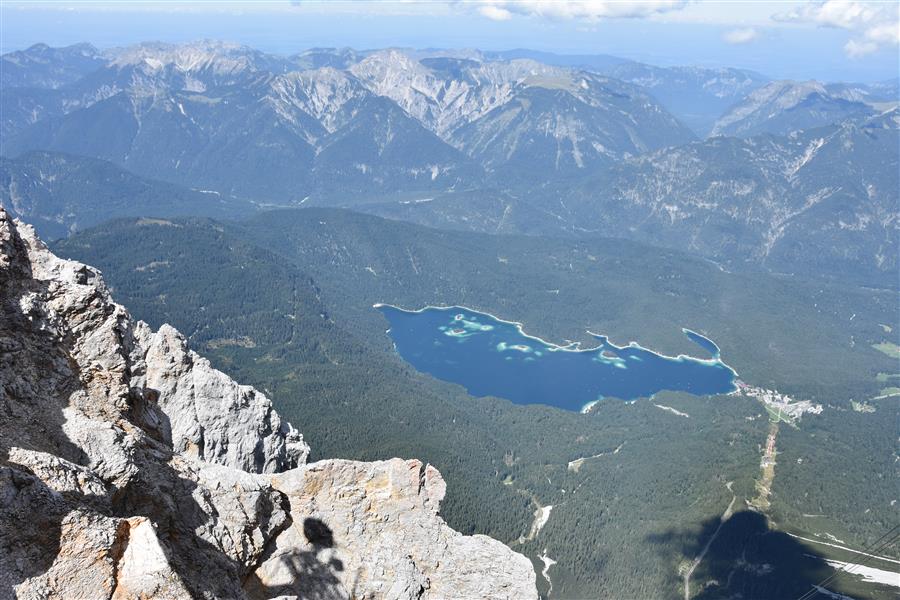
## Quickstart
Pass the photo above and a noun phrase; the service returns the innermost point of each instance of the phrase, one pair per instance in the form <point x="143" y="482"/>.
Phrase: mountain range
<point x="225" y="116"/>
<point x="782" y="107"/>
<point x="820" y="201"/>
<point x="498" y="142"/>
<point x="263" y="204"/>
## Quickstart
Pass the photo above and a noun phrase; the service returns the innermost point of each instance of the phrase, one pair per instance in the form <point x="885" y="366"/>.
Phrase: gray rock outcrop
<point x="130" y="468"/>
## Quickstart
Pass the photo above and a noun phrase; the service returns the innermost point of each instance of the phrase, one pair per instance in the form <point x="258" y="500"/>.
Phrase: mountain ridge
<point x="169" y="109"/>
<point x="774" y="108"/>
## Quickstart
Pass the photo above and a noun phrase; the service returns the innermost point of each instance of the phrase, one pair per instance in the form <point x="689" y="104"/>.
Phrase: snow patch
<point x="869" y="574"/>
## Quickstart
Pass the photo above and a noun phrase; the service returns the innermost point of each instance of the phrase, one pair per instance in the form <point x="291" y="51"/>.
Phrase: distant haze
<point x="778" y="50"/>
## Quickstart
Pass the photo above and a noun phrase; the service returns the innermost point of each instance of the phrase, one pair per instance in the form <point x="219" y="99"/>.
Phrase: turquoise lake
<point x="491" y="357"/>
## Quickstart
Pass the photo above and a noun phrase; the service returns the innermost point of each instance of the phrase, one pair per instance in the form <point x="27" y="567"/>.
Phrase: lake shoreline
<point x="576" y="346"/>
<point x="540" y="371"/>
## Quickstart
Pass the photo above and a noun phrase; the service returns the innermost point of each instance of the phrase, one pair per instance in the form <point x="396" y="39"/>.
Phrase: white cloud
<point x="495" y="13"/>
<point x="859" y="48"/>
<point x="886" y="33"/>
<point x="874" y="25"/>
<point x="591" y="10"/>
<point x="743" y="35"/>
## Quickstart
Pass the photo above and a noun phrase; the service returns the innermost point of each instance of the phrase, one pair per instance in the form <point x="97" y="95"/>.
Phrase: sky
<point x="835" y="40"/>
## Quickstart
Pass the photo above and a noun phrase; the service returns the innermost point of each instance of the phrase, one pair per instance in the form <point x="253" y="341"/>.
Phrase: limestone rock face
<point x="212" y="417"/>
<point x="371" y="529"/>
<point x="130" y="468"/>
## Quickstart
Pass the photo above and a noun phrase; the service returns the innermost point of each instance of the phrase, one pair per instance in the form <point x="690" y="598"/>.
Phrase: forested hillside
<point x="317" y="346"/>
<point x="59" y="194"/>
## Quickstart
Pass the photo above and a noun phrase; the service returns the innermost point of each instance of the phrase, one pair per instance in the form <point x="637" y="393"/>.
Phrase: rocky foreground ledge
<point x="130" y="468"/>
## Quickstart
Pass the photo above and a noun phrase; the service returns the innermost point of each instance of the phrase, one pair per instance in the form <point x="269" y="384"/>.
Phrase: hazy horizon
<point x="763" y="37"/>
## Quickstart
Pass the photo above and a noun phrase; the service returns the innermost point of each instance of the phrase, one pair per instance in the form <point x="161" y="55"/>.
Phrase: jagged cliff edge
<point x="130" y="468"/>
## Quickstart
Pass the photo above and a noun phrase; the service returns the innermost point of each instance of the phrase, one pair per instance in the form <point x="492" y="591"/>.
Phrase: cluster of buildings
<point x="781" y="404"/>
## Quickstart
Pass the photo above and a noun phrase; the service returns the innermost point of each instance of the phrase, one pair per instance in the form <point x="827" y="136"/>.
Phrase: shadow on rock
<point x="312" y="574"/>
<point x="31" y="518"/>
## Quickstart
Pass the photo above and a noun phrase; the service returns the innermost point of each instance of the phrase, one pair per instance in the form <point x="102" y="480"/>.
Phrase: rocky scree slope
<point x="129" y="467"/>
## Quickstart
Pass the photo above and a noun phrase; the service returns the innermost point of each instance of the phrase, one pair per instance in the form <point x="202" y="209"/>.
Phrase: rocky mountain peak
<point x="446" y="93"/>
<point x="219" y="57"/>
<point x="130" y="467"/>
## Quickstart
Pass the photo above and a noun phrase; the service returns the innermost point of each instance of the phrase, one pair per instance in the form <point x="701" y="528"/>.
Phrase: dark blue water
<point x="705" y="343"/>
<point x="490" y="357"/>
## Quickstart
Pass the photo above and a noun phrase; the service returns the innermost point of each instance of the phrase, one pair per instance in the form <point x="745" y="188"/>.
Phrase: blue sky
<point x="834" y="40"/>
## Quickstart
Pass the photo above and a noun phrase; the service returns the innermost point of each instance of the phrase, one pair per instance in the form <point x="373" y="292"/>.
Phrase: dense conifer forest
<point x="284" y="301"/>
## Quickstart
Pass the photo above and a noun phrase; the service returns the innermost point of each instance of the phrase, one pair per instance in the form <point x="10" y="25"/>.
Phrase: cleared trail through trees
<point x="696" y="562"/>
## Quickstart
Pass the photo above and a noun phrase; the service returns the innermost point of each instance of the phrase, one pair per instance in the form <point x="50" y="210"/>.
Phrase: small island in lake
<point x="492" y="357"/>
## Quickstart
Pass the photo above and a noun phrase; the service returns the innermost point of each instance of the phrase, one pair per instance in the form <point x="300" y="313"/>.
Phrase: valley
<point x="334" y="371"/>
<point x="642" y="319"/>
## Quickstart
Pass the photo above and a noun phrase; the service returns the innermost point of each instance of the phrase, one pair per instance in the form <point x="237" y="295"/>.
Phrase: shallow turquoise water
<point x="490" y="357"/>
